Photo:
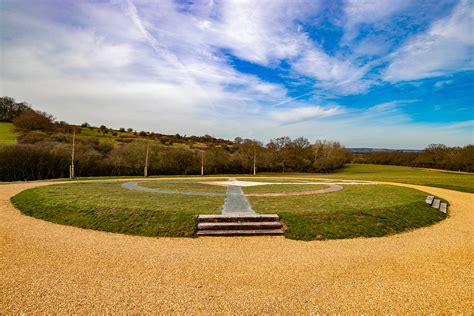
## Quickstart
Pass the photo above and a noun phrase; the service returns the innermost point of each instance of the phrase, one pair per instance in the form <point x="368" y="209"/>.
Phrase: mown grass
<point x="280" y="188"/>
<point x="183" y="187"/>
<point x="434" y="178"/>
<point x="7" y="134"/>
<point x="109" y="207"/>
<point x="356" y="211"/>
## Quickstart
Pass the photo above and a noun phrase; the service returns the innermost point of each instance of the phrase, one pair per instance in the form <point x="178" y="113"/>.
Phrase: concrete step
<point x="238" y="232"/>
<point x="239" y="225"/>
<point x="238" y="218"/>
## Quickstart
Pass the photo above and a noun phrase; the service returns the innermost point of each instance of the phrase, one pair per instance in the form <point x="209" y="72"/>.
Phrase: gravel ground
<point x="50" y="268"/>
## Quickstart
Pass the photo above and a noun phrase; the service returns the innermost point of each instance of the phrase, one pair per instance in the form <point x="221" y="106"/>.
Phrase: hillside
<point x="7" y="133"/>
<point x="117" y="137"/>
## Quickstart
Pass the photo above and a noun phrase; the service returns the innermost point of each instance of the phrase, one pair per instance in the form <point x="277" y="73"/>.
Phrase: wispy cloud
<point x="358" y="12"/>
<point x="298" y="114"/>
<point x="234" y="67"/>
<point x="447" y="47"/>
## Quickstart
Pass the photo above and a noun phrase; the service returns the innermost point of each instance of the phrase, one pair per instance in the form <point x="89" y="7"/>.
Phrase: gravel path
<point x="51" y="268"/>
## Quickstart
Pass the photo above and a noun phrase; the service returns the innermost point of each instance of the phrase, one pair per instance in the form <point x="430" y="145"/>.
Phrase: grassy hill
<point x="9" y="136"/>
<point x="7" y="133"/>
<point x="116" y="137"/>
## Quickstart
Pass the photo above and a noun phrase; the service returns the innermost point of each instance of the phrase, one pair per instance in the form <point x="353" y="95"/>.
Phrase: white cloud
<point x="317" y="64"/>
<point x="261" y="31"/>
<point x="161" y="67"/>
<point x="368" y="11"/>
<point x="119" y="80"/>
<point x="299" y="114"/>
<point x="442" y="83"/>
<point x="447" y="47"/>
<point x="338" y="75"/>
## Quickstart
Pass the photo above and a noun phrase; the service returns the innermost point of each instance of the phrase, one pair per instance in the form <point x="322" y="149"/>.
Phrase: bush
<point x="33" y="120"/>
<point x="33" y="137"/>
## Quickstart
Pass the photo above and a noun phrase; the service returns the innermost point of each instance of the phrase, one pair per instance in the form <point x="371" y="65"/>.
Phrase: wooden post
<point x="71" y="167"/>
<point x="202" y="162"/>
<point x="145" y="171"/>
<point x="255" y="161"/>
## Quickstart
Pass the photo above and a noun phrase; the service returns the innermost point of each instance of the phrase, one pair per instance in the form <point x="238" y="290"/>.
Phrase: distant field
<point x="7" y="134"/>
<point x="433" y="178"/>
<point x="442" y="179"/>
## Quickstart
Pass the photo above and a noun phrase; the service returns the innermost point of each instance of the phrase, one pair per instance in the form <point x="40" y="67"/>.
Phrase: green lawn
<point x="279" y="188"/>
<point x="433" y="178"/>
<point x="109" y="207"/>
<point x="183" y="187"/>
<point x="7" y="134"/>
<point x="356" y="211"/>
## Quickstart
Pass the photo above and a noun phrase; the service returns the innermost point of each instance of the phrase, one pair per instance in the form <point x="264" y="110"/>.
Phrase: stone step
<point x="238" y="232"/>
<point x="239" y="225"/>
<point x="443" y="207"/>
<point x="429" y="199"/>
<point x="436" y="203"/>
<point x="238" y="218"/>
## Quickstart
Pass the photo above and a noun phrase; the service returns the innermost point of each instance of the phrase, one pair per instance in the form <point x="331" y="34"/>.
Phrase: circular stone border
<point x="136" y="187"/>
<point x="332" y="187"/>
<point x="329" y="189"/>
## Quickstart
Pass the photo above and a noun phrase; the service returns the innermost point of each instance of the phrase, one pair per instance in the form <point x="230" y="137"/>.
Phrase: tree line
<point x="44" y="148"/>
<point x="43" y="151"/>
<point x="436" y="156"/>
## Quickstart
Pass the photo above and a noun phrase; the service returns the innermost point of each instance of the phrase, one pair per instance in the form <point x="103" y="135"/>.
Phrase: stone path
<point x="236" y="202"/>
<point x="136" y="187"/>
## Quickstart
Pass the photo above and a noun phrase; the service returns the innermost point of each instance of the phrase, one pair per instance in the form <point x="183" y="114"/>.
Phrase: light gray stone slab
<point x="429" y="199"/>
<point x="443" y="207"/>
<point x="236" y="202"/>
<point x="436" y="203"/>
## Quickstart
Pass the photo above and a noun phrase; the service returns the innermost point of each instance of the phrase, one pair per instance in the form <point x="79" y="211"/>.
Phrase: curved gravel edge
<point x="51" y="268"/>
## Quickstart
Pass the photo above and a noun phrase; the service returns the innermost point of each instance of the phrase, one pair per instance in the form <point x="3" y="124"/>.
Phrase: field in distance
<point x="459" y="181"/>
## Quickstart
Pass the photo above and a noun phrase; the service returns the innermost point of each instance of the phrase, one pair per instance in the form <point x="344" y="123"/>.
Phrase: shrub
<point x="33" y="120"/>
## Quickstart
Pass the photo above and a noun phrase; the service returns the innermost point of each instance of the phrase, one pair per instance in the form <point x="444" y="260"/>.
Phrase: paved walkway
<point x="51" y="268"/>
<point x="236" y="202"/>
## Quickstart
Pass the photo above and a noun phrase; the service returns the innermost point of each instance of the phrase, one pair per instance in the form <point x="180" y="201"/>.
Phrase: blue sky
<point x="381" y="73"/>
